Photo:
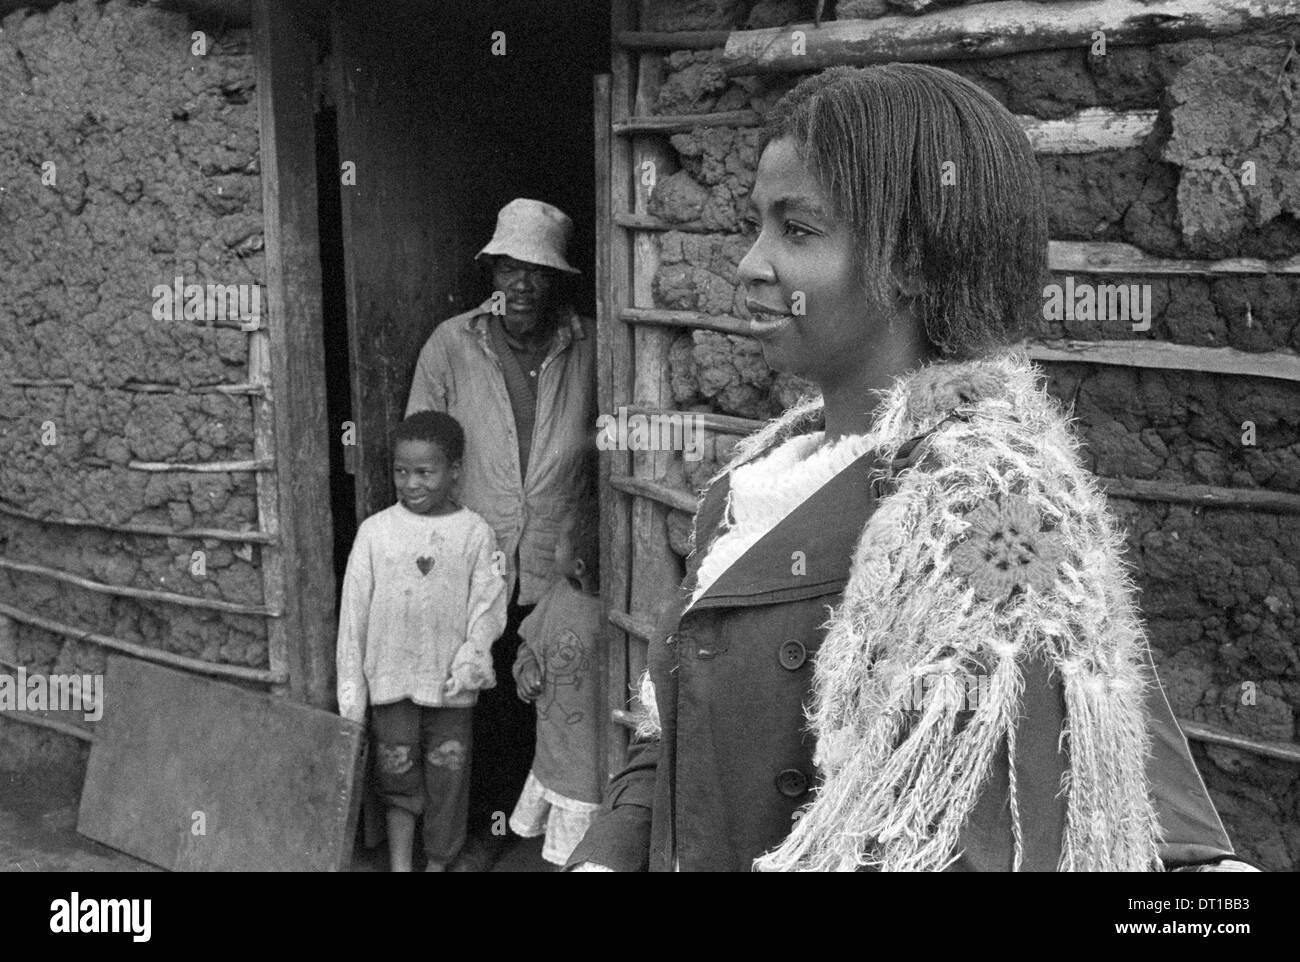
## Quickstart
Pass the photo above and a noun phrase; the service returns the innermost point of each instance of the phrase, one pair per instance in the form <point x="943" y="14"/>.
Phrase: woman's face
<point x="804" y="288"/>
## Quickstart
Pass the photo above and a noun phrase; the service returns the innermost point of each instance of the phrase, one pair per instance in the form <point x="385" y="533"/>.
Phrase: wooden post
<point x="298" y="505"/>
<point x="615" y="386"/>
<point x="612" y="650"/>
<point x="656" y="568"/>
<point x="995" y="30"/>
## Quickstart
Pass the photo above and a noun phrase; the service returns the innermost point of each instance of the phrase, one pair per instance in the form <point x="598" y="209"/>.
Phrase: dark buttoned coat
<point x="732" y="673"/>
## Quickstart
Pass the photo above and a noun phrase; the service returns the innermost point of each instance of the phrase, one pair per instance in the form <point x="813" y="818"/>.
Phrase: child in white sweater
<point x="424" y="598"/>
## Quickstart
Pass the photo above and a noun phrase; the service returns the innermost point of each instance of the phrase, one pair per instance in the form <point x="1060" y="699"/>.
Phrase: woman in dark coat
<point x="906" y="639"/>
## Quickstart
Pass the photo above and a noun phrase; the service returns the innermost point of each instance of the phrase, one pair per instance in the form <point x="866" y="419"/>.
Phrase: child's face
<point x="424" y="478"/>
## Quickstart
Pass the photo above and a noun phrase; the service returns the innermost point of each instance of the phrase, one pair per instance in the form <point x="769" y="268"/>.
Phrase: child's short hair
<point x="436" y="427"/>
<point x="584" y="538"/>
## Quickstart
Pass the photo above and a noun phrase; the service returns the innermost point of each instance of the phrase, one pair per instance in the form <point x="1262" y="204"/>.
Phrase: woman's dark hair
<point x="436" y="427"/>
<point x="881" y="142"/>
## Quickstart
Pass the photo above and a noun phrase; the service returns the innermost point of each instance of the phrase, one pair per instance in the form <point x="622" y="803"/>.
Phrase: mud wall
<point x="126" y="159"/>
<point x="1220" y="588"/>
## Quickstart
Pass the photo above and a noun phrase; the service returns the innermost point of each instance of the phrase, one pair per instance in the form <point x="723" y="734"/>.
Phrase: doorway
<point x="442" y="113"/>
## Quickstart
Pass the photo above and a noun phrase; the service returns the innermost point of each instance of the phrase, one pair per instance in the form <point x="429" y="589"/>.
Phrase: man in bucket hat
<point x="519" y="373"/>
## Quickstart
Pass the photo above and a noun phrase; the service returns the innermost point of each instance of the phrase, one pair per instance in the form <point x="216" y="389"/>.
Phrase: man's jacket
<point x="458" y="372"/>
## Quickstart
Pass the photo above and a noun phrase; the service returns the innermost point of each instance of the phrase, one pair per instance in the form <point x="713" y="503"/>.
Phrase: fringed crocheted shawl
<point x="994" y="548"/>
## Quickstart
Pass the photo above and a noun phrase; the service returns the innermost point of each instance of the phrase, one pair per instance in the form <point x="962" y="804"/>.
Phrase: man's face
<point x="803" y="278"/>
<point x="527" y="288"/>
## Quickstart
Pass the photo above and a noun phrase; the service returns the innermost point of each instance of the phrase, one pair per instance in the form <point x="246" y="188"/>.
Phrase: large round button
<point x="791" y="783"/>
<point x="792" y="655"/>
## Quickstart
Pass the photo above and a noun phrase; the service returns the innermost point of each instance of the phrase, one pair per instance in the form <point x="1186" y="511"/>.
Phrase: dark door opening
<point x="338" y="371"/>
<point x="444" y="112"/>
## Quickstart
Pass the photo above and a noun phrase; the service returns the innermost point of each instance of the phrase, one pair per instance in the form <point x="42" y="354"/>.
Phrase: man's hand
<point x="528" y="681"/>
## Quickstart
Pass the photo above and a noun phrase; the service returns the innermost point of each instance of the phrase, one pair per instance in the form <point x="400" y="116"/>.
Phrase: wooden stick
<point x="995" y="30"/>
<point x="622" y="716"/>
<point x="633" y="626"/>
<point x="662" y="493"/>
<point x="1280" y="364"/>
<point x="1089" y="131"/>
<point x="150" y="388"/>
<point x="1204" y="733"/>
<point x="680" y="40"/>
<point x="53" y="724"/>
<point x="144" y="594"/>
<point x="722" y="423"/>
<point x="656" y="569"/>
<point x="684" y="123"/>
<point x="1203" y="495"/>
<point x="614" y="389"/>
<point x="140" y="651"/>
<point x="153" y="530"/>
<point x="691" y="319"/>
<point x="1063" y="257"/>
<point x="274" y="581"/>
<point x="1283" y="365"/>
<point x="1129" y="489"/>
<point x="206" y="467"/>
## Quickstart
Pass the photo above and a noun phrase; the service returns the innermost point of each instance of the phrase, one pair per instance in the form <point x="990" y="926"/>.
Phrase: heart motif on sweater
<point x="424" y="563"/>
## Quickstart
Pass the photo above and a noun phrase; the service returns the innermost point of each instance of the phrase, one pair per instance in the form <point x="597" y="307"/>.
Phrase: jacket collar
<point x="807" y="555"/>
<point x="568" y="329"/>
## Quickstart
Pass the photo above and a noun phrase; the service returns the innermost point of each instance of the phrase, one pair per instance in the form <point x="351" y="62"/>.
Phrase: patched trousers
<point x="422" y="760"/>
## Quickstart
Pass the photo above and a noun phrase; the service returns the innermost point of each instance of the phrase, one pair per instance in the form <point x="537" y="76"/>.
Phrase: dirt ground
<point x="38" y="833"/>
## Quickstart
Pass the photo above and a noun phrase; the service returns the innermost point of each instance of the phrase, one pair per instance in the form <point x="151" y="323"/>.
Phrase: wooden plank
<point x="144" y="594"/>
<point x="197" y="775"/>
<point x="1088" y="131"/>
<point x="1202" y="495"/>
<point x="1162" y="355"/>
<point x="995" y="30"/>
<point x="285" y="53"/>
<point x="140" y="651"/>
<point x="148" y="530"/>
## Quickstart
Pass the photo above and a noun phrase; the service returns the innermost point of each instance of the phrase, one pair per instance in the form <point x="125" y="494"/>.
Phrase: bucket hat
<point x="534" y="232"/>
